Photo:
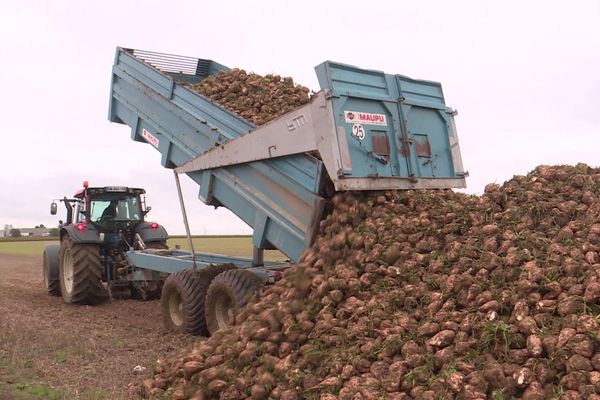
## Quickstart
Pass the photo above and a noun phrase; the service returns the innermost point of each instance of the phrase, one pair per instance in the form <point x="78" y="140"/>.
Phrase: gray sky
<point x="524" y="76"/>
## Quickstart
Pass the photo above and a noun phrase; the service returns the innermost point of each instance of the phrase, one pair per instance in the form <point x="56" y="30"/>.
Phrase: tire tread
<point x="87" y="274"/>
<point x="192" y="286"/>
<point x="238" y="284"/>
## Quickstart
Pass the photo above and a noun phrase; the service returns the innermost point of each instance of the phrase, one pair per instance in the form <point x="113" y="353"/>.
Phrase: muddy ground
<point x="49" y="349"/>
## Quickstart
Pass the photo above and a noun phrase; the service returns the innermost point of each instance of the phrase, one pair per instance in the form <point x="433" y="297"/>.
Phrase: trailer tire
<point x="229" y="292"/>
<point x="182" y="300"/>
<point x="50" y="269"/>
<point x="81" y="273"/>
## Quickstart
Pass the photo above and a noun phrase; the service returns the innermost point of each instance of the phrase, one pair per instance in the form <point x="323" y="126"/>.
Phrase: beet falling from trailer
<point x="423" y="295"/>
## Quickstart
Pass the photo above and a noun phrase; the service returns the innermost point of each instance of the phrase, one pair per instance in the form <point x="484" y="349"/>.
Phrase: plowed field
<point x="52" y="350"/>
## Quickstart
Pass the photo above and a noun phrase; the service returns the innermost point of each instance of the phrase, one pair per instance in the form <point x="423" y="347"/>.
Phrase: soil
<point x="73" y="351"/>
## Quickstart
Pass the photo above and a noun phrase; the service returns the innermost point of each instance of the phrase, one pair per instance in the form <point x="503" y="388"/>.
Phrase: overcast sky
<point x="523" y="75"/>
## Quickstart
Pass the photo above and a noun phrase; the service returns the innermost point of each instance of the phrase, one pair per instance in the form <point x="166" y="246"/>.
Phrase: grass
<point x="496" y="334"/>
<point x="24" y="247"/>
<point x="23" y="391"/>
<point x="240" y="246"/>
<point x="12" y="385"/>
<point x="228" y="245"/>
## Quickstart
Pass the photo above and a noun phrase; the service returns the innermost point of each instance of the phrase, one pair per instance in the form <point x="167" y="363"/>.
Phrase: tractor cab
<point x="109" y="208"/>
<point x="112" y="208"/>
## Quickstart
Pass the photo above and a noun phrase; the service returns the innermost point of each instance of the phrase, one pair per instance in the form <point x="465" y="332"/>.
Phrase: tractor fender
<point x="149" y="234"/>
<point x="88" y="235"/>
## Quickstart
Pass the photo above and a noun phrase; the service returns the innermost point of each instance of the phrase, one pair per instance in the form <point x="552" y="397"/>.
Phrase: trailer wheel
<point x="182" y="300"/>
<point x="50" y="269"/>
<point x="81" y="273"/>
<point x="227" y="294"/>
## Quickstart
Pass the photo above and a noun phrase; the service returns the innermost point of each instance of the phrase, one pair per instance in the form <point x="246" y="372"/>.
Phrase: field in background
<point x="240" y="246"/>
<point x="24" y="246"/>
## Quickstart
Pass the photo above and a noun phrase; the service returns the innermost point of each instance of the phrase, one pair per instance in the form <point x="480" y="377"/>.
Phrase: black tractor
<point x="90" y="264"/>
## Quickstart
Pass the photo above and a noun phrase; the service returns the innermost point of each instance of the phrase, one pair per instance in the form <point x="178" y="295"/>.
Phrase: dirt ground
<point x="52" y="350"/>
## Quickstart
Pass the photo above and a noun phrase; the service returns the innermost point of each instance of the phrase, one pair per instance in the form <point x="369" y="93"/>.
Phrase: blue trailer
<point x="364" y="130"/>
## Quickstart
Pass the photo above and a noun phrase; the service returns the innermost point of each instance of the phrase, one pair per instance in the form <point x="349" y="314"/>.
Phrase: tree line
<point x="16" y="232"/>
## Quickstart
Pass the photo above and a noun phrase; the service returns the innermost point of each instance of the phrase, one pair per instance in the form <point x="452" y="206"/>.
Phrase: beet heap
<point x="423" y="295"/>
<point x="257" y="98"/>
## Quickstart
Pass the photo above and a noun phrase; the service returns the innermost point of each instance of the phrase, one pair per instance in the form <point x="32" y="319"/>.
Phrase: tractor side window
<point x="131" y="208"/>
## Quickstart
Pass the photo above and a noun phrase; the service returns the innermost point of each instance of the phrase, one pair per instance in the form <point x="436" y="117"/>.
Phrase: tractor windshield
<point x="111" y="208"/>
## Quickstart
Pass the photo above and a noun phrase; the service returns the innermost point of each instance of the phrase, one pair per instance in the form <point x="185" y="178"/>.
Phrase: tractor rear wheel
<point x="81" y="273"/>
<point x="227" y="294"/>
<point x="50" y="269"/>
<point x="182" y="299"/>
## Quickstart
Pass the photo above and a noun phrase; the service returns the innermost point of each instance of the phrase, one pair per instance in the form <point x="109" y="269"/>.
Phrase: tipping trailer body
<point x="365" y="130"/>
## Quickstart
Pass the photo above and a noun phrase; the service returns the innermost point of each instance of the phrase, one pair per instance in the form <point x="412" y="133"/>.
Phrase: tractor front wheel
<point x="50" y="269"/>
<point x="81" y="273"/>
<point x="227" y="294"/>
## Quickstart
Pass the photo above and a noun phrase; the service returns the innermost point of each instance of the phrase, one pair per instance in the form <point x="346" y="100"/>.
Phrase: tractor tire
<point x="229" y="292"/>
<point x="81" y="273"/>
<point x="50" y="269"/>
<point x="182" y="299"/>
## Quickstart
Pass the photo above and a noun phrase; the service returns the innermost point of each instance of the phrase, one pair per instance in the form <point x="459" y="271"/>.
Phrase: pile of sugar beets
<point x="423" y="295"/>
<point x="257" y="98"/>
<point x="414" y="294"/>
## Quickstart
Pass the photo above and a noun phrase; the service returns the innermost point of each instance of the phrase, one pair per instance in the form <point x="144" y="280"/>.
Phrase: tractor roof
<point x="109" y="189"/>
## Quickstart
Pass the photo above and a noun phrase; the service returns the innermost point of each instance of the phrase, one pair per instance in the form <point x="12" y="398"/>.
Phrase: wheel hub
<point x="224" y="311"/>
<point x="46" y="279"/>
<point x="68" y="270"/>
<point x="176" y="309"/>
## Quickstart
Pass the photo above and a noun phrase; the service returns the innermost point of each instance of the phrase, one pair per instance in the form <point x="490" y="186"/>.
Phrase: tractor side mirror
<point x="53" y="208"/>
<point x="147" y="210"/>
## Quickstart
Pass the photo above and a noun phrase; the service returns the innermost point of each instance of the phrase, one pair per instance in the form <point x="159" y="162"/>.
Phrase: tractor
<point x="89" y="265"/>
